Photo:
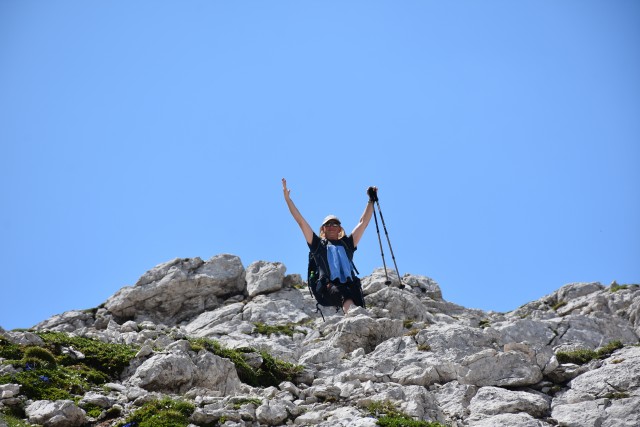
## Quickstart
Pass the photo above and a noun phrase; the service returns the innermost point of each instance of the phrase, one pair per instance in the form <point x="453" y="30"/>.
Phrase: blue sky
<point x="504" y="138"/>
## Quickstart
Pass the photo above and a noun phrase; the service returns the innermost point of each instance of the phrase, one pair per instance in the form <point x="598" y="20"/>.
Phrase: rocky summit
<point x="211" y="343"/>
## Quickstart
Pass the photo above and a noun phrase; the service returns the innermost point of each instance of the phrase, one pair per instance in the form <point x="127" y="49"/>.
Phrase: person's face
<point x="332" y="230"/>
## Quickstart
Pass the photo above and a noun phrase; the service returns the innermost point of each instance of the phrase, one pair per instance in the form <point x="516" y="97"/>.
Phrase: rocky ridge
<point x="430" y="359"/>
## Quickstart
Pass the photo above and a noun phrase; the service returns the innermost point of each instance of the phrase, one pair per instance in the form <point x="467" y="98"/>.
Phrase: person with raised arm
<point x="333" y="251"/>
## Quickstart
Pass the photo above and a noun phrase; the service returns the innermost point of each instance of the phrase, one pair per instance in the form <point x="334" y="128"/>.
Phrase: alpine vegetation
<point x="210" y="343"/>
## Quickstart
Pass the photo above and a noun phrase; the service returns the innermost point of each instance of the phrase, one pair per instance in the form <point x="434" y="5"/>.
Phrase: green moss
<point x="39" y="356"/>
<point x="48" y="373"/>
<point x="582" y="356"/>
<point x="617" y="395"/>
<point x="408" y="323"/>
<point x="424" y="347"/>
<point x="272" y="372"/>
<point x="579" y="357"/>
<point x="484" y="323"/>
<point x="12" y="421"/>
<point x="558" y="305"/>
<point x="48" y="383"/>
<point x="10" y="351"/>
<point x="615" y="287"/>
<point x="387" y="421"/>
<point x="161" y="413"/>
<point x="239" y="402"/>
<point x="108" y="358"/>
<point x="388" y="415"/>
<point x="92" y="410"/>
<point x="605" y="351"/>
<point x="264" y="329"/>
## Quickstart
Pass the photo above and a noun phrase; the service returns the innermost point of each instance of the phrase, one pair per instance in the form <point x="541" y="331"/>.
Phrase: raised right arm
<point x="304" y="225"/>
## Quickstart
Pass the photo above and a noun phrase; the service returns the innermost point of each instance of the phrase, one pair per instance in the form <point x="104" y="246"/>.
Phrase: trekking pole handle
<point x="373" y="194"/>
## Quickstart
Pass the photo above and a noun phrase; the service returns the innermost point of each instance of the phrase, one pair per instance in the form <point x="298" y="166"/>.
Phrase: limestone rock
<point x="429" y="358"/>
<point x="180" y="289"/>
<point x="364" y="332"/>
<point x="178" y="372"/>
<point x="59" y="413"/>
<point x="264" y="277"/>
<point x="497" y="400"/>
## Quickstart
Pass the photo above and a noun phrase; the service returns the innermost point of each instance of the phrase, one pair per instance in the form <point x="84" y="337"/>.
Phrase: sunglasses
<point x="332" y="224"/>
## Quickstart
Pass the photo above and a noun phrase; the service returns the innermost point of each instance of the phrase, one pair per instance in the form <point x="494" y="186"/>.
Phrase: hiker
<point x="332" y="251"/>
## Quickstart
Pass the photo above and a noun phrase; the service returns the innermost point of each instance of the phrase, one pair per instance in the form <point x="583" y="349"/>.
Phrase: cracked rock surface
<point x="431" y="359"/>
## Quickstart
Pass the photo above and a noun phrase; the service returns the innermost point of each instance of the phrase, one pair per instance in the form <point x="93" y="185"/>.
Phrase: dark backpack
<point x="317" y="287"/>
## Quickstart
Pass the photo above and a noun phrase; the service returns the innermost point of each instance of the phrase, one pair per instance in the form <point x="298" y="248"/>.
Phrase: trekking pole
<point x="388" y="240"/>
<point x="373" y="197"/>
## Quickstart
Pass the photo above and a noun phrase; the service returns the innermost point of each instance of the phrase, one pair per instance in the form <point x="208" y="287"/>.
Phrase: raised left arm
<point x="358" y="231"/>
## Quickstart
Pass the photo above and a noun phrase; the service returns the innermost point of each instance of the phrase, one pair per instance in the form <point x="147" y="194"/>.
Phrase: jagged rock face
<point x="434" y="360"/>
<point x="61" y="413"/>
<point x="179" y="290"/>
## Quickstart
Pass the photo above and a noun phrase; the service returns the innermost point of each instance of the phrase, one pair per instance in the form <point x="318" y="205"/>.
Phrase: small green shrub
<point x="484" y="323"/>
<point x="92" y="410"/>
<point x="108" y="358"/>
<point x="559" y="305"/>
<point x="237" y="403"/>
<point x="12" y="421"/>
<point x="424" y="347"/>
<point x="582" y="356"/>
<point x="388" y="415"/>
<point x="615" y="287"/>
<point x="264" y="329"/>
<point x="47" y="383"/>
<point x="9" y="350"/>
<point x="388" y="421"/>
<point x="272" y="372"/>
<point x="609" y="348"/>
<point x="617" y="395"/>
<point x="161" y="413"/>
<point x="49" y="374"/>
<point x="407" y="323"/>
<point x="579" y="357"/>
<point x="39" y="356"/>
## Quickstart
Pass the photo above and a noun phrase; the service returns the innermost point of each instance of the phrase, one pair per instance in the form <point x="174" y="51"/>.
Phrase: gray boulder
<point x="496" y="401"/>
<point x="59" y="413"/>
<point x="179" y="290"/>
<point x="362" y="331"/>
<point x="264" y="277"/>
<point x="178" y="372"/>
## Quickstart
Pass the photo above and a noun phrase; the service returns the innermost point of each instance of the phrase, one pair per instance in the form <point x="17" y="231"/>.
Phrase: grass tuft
<point x="558" y="305"/>
<point x="237" y="403"/>
<point x="10" y="351"/>
<point x="48" y="373"/>
<point x="484" y="323"/>
<point x="388" y="415"/>
<point x="12" y="421"/>
<point x="582" y="356"/>
<point x="264" y="329"/>
<point x="111" y="359"/>
<point x="271" y="373"/>
<point x="160" y="413"/>
<point x="39" y="356"/>
<point x="615" y="287"/>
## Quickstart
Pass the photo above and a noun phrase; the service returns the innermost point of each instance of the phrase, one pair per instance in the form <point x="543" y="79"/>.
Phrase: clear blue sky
<point x="504" y="137"/>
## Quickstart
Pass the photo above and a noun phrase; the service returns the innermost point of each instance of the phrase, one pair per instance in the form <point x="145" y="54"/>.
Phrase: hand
<point x="373" y="194"/>
<point x="285" y="189"/>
